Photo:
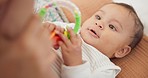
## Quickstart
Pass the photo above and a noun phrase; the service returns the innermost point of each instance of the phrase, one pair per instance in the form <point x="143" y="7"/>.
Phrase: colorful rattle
<point x="68" y="5"/>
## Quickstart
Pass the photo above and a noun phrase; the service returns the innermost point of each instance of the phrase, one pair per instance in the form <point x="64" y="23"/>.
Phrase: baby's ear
<point x="123" y="52"/>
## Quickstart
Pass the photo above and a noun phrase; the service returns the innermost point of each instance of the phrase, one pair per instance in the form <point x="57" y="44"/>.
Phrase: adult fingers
<point x="43" y="29"/>
<point x="15" y="17"/>
<point x="29" y="35"/>
<point x="33" y="26"/>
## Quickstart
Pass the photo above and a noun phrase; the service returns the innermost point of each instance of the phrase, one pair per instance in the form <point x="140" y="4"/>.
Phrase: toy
<point x="68" y="5"/>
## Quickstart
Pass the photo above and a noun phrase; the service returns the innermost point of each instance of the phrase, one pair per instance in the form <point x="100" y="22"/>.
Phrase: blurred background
<point x="141" y="8"/>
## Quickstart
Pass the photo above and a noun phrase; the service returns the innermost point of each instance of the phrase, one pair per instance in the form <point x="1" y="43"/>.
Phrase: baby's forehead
<point x="120" y="6"/>
<point x="115" y="10"/>
<point x="120" y="13"/>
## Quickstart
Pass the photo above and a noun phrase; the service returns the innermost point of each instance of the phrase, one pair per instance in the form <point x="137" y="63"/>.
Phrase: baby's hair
<point x="138" y="28"/>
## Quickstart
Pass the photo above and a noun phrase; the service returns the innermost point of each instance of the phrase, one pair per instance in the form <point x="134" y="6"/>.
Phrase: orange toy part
<point x="57" y="38"/>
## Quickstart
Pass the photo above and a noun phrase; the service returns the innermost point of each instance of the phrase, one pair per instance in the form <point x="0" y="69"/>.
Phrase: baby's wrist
<point x="74" y="63"/>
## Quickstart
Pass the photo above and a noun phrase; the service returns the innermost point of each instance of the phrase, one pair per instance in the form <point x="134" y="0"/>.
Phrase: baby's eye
<point x="97" y="17"/>
<point x="112" y="27"/>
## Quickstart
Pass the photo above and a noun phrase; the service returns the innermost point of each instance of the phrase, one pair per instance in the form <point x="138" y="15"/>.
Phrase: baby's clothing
<point x="95" y="64"/>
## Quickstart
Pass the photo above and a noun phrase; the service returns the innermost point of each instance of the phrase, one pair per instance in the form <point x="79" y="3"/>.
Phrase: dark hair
<point x="138" y="25"/>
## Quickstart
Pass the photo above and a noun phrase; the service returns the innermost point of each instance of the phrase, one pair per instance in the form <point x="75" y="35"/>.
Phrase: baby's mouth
<point x="93" y="32"/>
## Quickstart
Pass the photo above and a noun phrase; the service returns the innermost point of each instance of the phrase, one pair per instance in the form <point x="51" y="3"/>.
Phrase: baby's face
<point x="109" y="29"/>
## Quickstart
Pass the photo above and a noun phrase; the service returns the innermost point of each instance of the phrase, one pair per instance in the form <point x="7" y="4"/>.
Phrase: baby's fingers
<point x="65" y="40"/>
<point x="60" y="29"/>
<point x="73" y="36"/>
<point x="51" y="27"/>
<point x="62" y="45"/>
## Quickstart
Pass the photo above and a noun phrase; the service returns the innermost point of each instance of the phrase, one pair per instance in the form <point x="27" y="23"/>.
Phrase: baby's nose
<point x="100" y="26"/>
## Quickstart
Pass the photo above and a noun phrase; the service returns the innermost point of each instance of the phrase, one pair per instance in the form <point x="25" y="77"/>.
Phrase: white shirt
<point x="95" y="64"/>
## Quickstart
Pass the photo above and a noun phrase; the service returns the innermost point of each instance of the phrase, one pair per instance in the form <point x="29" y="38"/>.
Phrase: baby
<point x="112" y="32"/>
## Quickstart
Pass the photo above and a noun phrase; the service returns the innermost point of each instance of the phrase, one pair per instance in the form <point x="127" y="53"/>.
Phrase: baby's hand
<point x="54" y="30"/>
<point x="71" y="48"/>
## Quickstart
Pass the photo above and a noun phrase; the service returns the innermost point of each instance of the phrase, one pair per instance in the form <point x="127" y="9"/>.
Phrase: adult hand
<point x="25" y="48"/>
